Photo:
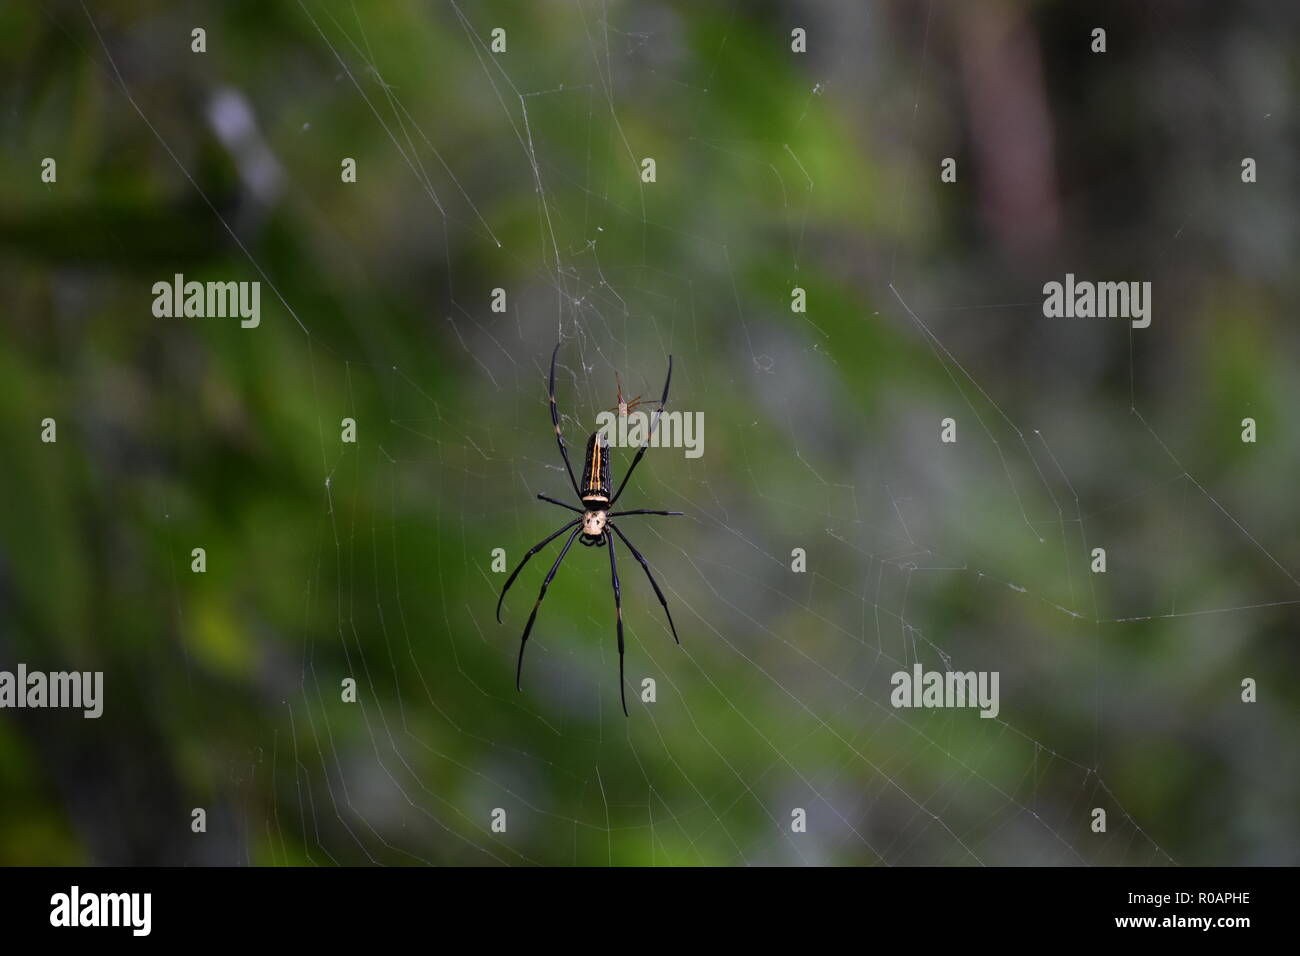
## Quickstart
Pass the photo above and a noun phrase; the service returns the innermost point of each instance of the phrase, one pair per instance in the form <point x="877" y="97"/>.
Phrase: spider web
<point x="778" y="697"/>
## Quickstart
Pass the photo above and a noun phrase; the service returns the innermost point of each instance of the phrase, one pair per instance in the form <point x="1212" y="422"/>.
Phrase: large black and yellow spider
<point x="595" y="523"/>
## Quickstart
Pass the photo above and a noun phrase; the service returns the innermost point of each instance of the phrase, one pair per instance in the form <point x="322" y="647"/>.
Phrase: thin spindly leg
<point x="532" y="551"/>
<point x="560" y="503"/>
<point x="618" y="610"/>
<point x="643" y="511"/>
<point x="555" y="420"/>
<point x="653" y="583"/>
<point x="654" y="422"/>
<point x="519" y="668"/>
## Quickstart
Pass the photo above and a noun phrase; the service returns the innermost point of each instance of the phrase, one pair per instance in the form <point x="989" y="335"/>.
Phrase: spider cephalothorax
<point x="593" y="527"/>
<point x="595" y="522"/>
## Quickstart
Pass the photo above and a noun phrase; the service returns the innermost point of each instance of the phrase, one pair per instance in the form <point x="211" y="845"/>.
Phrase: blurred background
<point x="520" y="170"/>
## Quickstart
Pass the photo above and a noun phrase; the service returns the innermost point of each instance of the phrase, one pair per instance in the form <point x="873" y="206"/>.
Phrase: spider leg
<point x="560" y="503"/>
<point x="555" y="420"/>
<point x="532" y="551"/>
<point x="654" y="422"/>
<point x="618" y="610"/>
<point x="643" y="511"/>
<point x="519" y="668"/>
<point x="653" y="583"/>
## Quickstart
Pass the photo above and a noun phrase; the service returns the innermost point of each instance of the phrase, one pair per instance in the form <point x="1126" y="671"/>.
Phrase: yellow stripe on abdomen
<point x="594" y="484"/>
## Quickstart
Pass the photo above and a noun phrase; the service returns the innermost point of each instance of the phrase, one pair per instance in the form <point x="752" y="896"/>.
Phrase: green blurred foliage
<point x="478" y="170"/>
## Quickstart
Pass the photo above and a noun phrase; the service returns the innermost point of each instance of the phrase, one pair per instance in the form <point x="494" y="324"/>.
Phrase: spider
<point x="624" y="406"/>
<point x="595" y="523"/>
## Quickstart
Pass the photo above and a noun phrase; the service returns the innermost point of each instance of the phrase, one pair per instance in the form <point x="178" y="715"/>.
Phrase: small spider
<point x="624" y="406"/>
<point x="595" y="524"/>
